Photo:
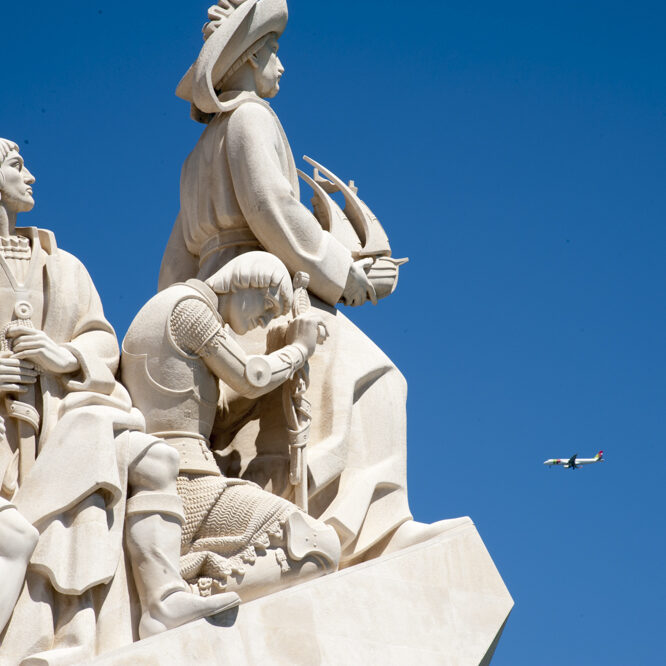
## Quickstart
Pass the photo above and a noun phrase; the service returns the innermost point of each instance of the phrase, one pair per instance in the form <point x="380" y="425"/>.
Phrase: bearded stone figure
<point x="239" y="192"/>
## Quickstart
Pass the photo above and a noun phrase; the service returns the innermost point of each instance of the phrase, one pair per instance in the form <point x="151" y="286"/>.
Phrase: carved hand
<point x="304" y="331"/>
<point x="36" y="346"/>
<point x="16" y="375"/>
<point x="359" y="288"/>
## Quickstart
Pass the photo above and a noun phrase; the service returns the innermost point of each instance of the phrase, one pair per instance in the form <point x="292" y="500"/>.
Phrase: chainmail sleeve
<point x="193" y="324"/>
<point x="197" y="330"/>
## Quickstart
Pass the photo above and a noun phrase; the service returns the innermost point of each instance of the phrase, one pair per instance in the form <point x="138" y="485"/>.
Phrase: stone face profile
<point x="249" y="440"/>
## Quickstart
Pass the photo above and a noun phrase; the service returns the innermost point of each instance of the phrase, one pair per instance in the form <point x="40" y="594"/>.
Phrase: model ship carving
<point x="355" y="226"/>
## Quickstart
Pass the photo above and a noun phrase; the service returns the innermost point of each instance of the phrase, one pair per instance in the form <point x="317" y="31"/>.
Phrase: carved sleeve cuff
<point x="260" y="370"/>
<point x="93" y="373"/>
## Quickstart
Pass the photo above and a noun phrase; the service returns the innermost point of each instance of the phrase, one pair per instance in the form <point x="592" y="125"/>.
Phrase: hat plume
<point x="218" y="13"/>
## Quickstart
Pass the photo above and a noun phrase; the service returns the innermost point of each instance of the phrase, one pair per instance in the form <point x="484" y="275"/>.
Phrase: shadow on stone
<point x="226" y="618"/>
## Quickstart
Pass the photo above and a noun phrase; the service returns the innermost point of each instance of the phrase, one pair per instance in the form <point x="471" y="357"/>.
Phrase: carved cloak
<point x="81" y="414"/>
<point x="75" y="493"/>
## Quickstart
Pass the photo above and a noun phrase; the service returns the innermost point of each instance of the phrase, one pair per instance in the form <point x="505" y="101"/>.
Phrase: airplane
<point x="574" y="462"/>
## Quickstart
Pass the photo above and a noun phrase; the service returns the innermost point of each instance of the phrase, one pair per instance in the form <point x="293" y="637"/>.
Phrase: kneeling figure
<point x="180" y="363"/>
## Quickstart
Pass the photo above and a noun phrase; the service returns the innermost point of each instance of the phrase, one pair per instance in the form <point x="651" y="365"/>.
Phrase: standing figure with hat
<point x="239" y="192"/>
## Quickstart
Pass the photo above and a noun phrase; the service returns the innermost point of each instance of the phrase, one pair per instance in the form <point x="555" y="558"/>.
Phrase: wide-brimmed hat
<point x="233" y="27"/>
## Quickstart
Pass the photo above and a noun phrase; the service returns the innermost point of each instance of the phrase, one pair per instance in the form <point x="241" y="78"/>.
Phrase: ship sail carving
<point x="356" y="227"/>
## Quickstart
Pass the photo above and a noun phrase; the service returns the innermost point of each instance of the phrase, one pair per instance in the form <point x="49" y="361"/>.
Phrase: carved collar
<point x="231" y="99"/>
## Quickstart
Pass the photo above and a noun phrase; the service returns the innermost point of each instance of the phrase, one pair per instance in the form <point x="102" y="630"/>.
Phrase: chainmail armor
<point x="192" y="324"/>
<point x="226" y="522"/>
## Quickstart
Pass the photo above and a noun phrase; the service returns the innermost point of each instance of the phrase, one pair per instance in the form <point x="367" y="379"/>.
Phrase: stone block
<point x="438" y="602"/>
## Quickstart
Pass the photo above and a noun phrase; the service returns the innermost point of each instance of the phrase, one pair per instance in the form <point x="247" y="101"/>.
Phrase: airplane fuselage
<point x="574" y="462"/>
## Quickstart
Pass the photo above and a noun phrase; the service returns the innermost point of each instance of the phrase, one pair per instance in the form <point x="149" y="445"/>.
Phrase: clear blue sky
<point x="516" y="152"/>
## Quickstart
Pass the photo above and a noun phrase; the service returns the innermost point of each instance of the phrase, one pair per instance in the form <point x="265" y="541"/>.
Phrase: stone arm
<point x="271" y="208"/>
<point x="76" y="320"/>
<point x="77" y="345"/>
<point x="197" y="330"/>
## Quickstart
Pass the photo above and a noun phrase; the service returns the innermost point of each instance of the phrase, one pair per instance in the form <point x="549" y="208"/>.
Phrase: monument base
<point x="438" y="602"/>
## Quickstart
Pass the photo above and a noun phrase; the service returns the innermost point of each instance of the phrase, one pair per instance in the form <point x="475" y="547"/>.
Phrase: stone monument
<point x="249" y="447"/>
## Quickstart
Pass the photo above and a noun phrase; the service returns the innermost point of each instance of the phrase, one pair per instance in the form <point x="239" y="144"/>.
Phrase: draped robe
<point x="76" y="586"/>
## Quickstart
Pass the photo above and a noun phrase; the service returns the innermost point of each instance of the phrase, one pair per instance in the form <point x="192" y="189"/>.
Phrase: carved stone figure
<point x="240" y="192"/>
<point x="177" y="357"/>
<point x="235" y="461"/>
<point x="70" y="446"/>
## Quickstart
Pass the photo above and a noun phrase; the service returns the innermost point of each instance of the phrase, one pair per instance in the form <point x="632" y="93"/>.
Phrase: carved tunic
<point x="231" y="203"/>
<point x="80" y="412"/>
<point x="21" y="281"/>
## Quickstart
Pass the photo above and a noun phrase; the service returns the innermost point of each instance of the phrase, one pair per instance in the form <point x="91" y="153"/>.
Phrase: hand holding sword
<point x="311" y="331"/>
<point x="17" y="386"/>
<point x="24" y="352"/>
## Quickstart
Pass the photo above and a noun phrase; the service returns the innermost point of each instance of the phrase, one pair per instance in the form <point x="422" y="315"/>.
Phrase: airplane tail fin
<point x="599" y="456"/>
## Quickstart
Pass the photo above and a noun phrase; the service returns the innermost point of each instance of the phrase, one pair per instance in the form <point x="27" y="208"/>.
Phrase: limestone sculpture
<point x="177" y="359"/>
<point x="258" y="441"/>
<point x="239" y="192"/>
<point x="71" y="446"/>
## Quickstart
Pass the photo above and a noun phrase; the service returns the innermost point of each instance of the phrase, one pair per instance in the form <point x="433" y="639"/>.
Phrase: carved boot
<point x="18" y="539"/>
<point x="153" y="538"/>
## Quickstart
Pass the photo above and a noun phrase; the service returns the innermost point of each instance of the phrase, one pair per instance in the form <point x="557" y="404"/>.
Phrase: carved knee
<point x="18" y="538"/>
<point x="156" y="469"/>
<point x="308" y="537"/>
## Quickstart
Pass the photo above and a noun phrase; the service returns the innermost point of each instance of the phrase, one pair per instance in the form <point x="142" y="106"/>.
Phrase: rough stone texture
<point x="438" y="602"/>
